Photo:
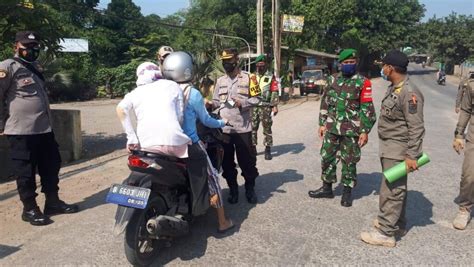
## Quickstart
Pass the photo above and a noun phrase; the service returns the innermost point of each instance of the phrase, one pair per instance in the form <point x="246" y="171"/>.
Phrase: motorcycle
<point x="154" y="202"/>
<point x="442" y="80"/>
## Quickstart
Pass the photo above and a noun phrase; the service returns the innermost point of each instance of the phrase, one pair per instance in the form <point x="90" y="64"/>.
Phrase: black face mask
<point x="29" y="54"/>
<point x="229" y="67"/>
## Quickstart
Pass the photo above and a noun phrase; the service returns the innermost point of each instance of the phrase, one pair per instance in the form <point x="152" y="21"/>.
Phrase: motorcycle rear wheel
<point x="140" y="249"/>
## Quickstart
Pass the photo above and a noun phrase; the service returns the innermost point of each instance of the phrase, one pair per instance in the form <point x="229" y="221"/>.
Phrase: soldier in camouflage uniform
<point x="268" y="104"/>
<point x="346" y="117"/>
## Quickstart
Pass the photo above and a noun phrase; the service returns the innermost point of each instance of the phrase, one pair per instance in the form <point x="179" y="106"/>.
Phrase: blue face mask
<point x="385" y="77"/>
<point x="348" y="69"/>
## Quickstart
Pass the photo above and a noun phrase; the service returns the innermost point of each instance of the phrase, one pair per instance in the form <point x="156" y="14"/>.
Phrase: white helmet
<point x="178" y="66"/>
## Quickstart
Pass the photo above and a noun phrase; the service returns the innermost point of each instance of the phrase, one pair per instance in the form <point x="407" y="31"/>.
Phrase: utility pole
<point x="260" y="27"/>
<point x="276" y="26"/>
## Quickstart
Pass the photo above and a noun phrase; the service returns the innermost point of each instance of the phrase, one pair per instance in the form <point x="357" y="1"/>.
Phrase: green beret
<point x="347" y="53"/>
<point x="260" y="58"/>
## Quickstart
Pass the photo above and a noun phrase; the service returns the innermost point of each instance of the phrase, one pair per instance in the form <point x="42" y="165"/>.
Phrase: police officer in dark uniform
<point x="25" y="119"/>
<point x="232" y="95"/>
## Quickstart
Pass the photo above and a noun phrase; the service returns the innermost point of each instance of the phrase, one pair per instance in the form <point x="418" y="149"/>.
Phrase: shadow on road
<point x="419" y="210"/>
<point x="66" y="175"/>
<point x="367" y="184"/>
<point x="8" y="250"/>
<point x="195" y="245"/>
<point x="100" y="144"/>
<point x="286" y="149"/>
<point x="93" y="201"/>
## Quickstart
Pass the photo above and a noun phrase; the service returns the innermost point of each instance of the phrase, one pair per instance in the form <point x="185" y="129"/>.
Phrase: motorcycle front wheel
<point x="140" y="249"/>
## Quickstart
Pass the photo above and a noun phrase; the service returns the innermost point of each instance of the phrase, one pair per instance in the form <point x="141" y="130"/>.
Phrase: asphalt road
<point x="286" y="227"/>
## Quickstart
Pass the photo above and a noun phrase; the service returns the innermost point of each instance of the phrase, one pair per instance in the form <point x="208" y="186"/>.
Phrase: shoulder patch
<point x="3" y="73"/>
<point x="366" y="92"/>
<point x="413" y="104"/>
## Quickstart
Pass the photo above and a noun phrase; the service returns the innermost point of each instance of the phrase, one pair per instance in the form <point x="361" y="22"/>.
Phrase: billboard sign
<point x="293" y="24"/>
<point x="74" y="45"/>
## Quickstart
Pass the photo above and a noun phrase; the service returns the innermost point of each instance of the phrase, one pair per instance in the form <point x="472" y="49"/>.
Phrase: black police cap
<point x="27" y="37"/>
<point x="396" y="58"/>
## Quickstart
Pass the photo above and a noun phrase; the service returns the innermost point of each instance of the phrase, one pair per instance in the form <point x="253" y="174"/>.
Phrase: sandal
<point x="223" y="231"/>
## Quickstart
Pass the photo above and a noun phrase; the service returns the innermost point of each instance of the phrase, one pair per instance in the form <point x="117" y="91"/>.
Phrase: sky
<point x="161" y="8"/>
<point x="440" y="8"/>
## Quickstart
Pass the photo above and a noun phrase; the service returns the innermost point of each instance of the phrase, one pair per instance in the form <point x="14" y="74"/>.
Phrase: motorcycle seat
<point x="158" y="156"/>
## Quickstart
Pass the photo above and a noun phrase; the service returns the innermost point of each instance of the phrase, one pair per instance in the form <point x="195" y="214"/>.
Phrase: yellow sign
<point x="292" y="23"/>
<point x="254" y="87"/>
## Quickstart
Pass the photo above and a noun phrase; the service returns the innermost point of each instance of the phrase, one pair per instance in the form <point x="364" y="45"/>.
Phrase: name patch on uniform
<point x="3" y="74"/>
<point x="243" y="91"/>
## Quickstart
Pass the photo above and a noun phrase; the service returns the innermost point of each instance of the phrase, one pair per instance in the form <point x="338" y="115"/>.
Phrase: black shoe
<point x="35" y="217"/>
<point x="233" y="196"/>
<point x="268" y="153"/>
<point x="59" y="207"/>
<point x="324" y="191"/>
<point x="251" y="196"/>
<point x="346" y="200"/>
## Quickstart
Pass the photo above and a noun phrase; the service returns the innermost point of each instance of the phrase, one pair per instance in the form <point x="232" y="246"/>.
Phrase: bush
<point x="117" y="81"/>
<point x="70" y="78"/>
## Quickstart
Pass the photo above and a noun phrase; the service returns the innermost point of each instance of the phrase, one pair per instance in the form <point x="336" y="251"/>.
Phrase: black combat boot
<point x="233" y="191"/>
<point x="54" y="205"/>
<point x="250" y="192"/>
<point x="346" y="200"/>
<point x="324" y="191"/>
<point x="32" y="213"/>
<point x="35" y="217"/>
<point x="268" y="153"/>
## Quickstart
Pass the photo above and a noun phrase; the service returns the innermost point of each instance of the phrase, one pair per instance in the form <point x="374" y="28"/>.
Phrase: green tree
<point x="450" y="39"/>
<point x="16" y="16"/>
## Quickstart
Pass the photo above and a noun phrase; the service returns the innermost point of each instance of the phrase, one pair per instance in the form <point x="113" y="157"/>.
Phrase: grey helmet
<point x="178" y="66"/>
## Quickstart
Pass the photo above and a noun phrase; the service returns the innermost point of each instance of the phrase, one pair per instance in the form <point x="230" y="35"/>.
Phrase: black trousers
<point x="29" y="153"/>
<point x="197" y="171"/>
<point x="241" y="145"/>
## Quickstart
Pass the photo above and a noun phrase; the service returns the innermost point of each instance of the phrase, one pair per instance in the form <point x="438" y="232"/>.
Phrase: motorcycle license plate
<point x="129" y="196"/>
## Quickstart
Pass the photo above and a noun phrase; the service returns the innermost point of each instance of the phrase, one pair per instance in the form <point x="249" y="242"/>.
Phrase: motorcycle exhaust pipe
<point x="167" y="226"/>
<point x="152" y="226"/>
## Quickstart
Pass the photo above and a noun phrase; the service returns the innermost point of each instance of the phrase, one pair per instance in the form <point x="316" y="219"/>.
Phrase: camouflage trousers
<point x="349" y="154"/>
<point x="263" y="114"/>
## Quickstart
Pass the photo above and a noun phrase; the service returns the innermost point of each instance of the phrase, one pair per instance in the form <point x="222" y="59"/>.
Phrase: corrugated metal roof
<point x="311" y="52"/>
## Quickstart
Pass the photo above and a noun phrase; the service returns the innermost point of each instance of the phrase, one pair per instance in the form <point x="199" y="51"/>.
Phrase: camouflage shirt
<point x="346" y="106"/>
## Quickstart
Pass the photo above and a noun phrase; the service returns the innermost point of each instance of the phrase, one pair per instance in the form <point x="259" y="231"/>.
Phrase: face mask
<point x="29" y="54"/>
<point x="348" y="69"/>
<point x="229" y="67"/>
<point x="261" y="70"/>
<point x="382" y="74"/>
